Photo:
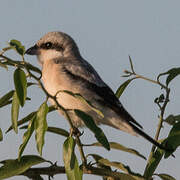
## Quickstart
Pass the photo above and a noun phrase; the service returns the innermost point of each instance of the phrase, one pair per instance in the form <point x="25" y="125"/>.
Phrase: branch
<point x="54" y="170"/>
<point x="162" y="107"/>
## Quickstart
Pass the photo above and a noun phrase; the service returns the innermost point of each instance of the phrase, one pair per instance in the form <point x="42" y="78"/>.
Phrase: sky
<point x="106" y="32"/>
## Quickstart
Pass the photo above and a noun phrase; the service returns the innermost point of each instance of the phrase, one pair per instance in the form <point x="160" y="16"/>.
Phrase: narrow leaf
<point x="23" y="121"/>
<point x="117" y="146"/>
<point x="130" y="60"/>
<point x="54" y="130"/>
<point x="29" y="117"/>
<point x="17" y="46"/>
<point x="172" y="73"/>
<point x="13" y="167"/>
<point x="27" y="136"/>
<point x="33" y="68"/>
<point x="20" y="83"/>
<point x="172" y="120"/>
<point x="104" y="163"/>
<point x="89" y="122"/>
<point x="173" y="139"/>
<point x="119" y="166"/>
<point x="15" y="112"/>
<point x="84" y="100"/>
<point x="59" y="131"/>
<point x="4" y="99"/>
<point x="122" y="87"/>
<point x="153" y="163"/>
<point x="6" y="103"/>
<point x="165" y="177"/>
<point x="41" y="126"/>
<point x="97" y="158"/>
<point x="1" y="135"/>
<point x="72" y="169"/>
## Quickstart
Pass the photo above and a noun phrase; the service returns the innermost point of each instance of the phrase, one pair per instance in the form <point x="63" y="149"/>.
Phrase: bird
<point x="64" y="69"/>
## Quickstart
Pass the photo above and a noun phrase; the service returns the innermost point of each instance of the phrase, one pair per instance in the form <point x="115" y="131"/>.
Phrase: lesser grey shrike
<point x="63" y="68"/>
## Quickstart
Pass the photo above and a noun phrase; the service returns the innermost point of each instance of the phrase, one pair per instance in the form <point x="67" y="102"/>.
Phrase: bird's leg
<point x="75" y="131"/>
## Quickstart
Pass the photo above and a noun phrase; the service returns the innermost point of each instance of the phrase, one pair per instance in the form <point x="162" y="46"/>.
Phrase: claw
<point x="75" y="131"/>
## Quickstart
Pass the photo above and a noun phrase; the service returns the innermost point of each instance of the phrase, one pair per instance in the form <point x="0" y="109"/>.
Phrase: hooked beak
<point x="32" y="50"/>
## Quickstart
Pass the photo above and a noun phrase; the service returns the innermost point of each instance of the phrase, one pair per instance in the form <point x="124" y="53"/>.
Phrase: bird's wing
<point x="85" y="74"/>
<point x="83" y="69"/>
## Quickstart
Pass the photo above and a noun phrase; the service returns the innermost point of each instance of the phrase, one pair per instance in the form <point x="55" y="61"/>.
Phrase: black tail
<point x="147" y="137"/>
<point x="131" y="121"/>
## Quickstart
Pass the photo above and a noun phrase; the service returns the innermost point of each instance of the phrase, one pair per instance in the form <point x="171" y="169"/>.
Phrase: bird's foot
<point x="75" y="131"/>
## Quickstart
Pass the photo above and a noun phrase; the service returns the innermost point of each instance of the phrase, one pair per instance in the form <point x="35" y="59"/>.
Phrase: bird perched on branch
<point x="63" y="68"/>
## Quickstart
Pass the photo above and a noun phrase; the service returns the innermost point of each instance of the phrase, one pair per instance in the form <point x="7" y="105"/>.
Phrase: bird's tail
<point x="134" y="128"/>
<point x="146" y="136"/>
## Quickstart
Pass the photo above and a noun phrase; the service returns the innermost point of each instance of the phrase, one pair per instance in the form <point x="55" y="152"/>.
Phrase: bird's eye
<point x="48" y="45"/>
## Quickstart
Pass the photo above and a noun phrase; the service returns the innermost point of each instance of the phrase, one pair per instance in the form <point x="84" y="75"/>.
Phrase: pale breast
<point x="55" y="80"/>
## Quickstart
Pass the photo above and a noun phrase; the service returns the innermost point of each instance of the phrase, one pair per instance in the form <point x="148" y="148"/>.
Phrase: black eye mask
<point x="50" y="45"/>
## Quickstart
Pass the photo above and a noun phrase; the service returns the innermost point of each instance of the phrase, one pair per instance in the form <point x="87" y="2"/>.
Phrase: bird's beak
<point x="32" y="51"/>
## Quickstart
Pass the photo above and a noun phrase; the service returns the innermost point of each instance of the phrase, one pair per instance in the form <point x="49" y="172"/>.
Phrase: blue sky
<point x="106" y="33"/>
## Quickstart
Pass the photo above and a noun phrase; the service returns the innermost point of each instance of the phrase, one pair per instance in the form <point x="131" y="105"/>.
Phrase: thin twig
<point x="145" y="78"/>
<point x="162" y="108"/>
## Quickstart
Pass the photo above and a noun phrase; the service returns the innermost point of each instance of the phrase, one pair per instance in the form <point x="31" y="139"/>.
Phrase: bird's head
<point x="54" y="45"/>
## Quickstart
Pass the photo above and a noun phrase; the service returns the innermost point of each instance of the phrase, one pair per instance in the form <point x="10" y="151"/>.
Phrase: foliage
<point x="36" y="122"/>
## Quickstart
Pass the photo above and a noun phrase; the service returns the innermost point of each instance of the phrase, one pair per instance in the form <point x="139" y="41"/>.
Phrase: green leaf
<point x="58" y="131"/>
<point x="30" y="84"/>
<point x="13" y="167"/>
<point x="82" y="99"/>
<point x="33" y="68"/>
<point x="41" y="126"/>
<point x="119" y="166"/>
<point x="20" y="83"/>
<point x="153" y="163"/>
<point x="117" y="146"/>
<point x="15" y="112"/>
<point x="97" y="158"/>
<point x="4" y="99"/>
<point x="122" y="87"/>
<point x="173" y="139"/>
<point x="89" y="122"/>
<point x="72" y="169"/>
<point x="172" y="73"/>
<point x="104" y="163"/>
<point x="27" y="136"/>
<point x="54" y="130"/>
<point x="6" y="103"/>
<point x="24" y="120"/>
<point x="1" y="135"/>
<point x="172" y="120"/>
<point x="17" y="46"/>
<point x="29" y="117"/>
<point x="165" y="177"/>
